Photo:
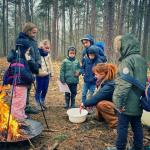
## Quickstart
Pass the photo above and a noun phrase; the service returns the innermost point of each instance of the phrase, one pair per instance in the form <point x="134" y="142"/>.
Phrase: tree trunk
<point x="4" y="29"/>
<point x="71" y="25"/>
<point x="31" y="10"/>
<point x="55" y="3"/>
<point x="93" y="18"/>
<point x="128" y="17"/>
<point x="140" y="21"/>
<point x="63" y="28"/>
<point x="109" y="25"/>
<point x="146" y="28"/>
<point x="7" y="27"/>
<point x="27" y="11"/>
<point x="87" y="17"/>
<point x="135" y="15"/>
<point x="48" y="20"/>
<point x="122" y="16"/>
<point x="19" y="5"/>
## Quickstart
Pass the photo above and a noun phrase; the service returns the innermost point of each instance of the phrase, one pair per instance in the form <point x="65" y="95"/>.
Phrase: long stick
<point x="42" y="109"/>
<point x="12" y="92"/>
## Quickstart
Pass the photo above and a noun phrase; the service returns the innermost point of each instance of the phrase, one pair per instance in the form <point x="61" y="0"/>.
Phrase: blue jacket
<point x="18" y="73"/>
<point x="88" y="64"/>
<point x="34" y="52"/>
<point x="104" y="93"/>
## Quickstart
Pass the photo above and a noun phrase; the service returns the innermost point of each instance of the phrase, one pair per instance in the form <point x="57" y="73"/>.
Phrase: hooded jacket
<point x="68" y="69"/>
<point x="99" y="47"/>
<point x="34" y="48"/>
<point x="88" y="64"/>
<point x="132" y="63"/>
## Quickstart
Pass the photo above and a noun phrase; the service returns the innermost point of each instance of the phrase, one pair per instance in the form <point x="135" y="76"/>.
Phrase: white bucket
<point x="146" y="118"/>
<point x="75" y="116"/>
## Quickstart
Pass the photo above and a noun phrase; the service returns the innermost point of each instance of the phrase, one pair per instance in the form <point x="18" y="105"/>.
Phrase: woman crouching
<point x="102" y="99"/>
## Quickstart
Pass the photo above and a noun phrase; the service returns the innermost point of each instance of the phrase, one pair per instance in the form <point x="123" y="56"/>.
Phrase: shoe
<point x="43" y="105"/>
<point x="90" y="110"/>
<point x="66" y="107"/>
<point x="111" y="148"/>
<point x="31" y="110"/>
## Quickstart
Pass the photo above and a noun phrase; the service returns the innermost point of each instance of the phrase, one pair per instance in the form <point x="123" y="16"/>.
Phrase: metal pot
<point x="32" y="129"/>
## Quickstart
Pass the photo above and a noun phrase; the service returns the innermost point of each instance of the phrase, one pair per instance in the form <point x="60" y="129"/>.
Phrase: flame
<point x="4" y="115"/>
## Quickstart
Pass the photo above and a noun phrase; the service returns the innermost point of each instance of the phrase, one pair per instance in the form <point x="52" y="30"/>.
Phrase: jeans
<point x="86" y="87"/>
<point x="122" y="131"/>
<point x="41" y="88"/>
<point x="72" y="96"/>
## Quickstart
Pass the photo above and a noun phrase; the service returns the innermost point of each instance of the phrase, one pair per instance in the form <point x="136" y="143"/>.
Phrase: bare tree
<point x="55" y="9"/>
<point x="122" y="16"/>
<point x="135" y="16"/>
<point x="146" y="28"/>
<point x="4" y="28"/>
<point x="109" y="6"/>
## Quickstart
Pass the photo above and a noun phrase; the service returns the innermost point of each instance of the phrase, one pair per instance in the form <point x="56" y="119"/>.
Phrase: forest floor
<point x="64" y="135"/>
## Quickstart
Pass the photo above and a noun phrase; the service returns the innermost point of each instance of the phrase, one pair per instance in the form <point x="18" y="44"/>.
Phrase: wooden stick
<point x="31" y="143"/>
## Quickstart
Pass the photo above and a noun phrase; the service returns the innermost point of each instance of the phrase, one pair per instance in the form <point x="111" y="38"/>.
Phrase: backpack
<point x="145" y="97"/>
<point x="12" y="74"/>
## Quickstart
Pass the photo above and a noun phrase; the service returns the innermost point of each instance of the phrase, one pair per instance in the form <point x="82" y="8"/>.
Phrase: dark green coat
<point x="68" y="70"/>
<point x="132" y="63"/>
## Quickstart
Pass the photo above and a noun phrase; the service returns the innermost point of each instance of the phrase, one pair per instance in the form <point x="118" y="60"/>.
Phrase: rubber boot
<point x="67" y="100"/>
<point x="73" y="101"/>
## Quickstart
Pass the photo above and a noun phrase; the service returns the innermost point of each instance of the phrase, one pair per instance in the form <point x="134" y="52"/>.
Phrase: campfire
<point x="8" y="131"/>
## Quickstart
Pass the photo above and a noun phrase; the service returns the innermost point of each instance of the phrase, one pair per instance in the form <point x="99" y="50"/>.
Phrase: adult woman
<point x="105" y="74"/>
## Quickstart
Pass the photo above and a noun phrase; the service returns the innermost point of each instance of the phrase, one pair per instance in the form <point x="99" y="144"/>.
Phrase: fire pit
<point x="11" y="130"/>
<point x="29" y="129"/>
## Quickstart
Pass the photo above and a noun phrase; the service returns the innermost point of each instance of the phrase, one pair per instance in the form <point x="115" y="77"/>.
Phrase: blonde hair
<point x="117" y="42"/>
<point x="44" y="42"/>
<point x="109" y="69"/>
<point x="28" y="27"/>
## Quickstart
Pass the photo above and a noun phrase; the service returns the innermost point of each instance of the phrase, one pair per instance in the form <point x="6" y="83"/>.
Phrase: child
<point x="19" y="75"/>
<point x="45" y="73"/>
<point x="69" y="74"/>
<point x="105" y="74"/>
<point x="86" y="70"/>
<point x="126" y="96"/>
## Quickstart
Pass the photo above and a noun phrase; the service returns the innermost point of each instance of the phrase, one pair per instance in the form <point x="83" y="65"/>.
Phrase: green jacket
<point x="68" y="70"/>
<point x="131" y="62"/>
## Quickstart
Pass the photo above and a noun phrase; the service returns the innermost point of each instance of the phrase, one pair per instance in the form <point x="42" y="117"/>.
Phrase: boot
<point x="67" y="100"/>
<point x="73" y="102"/>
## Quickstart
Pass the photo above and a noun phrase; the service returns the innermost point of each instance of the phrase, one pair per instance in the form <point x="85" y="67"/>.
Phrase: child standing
<point x="69" y="74"/>
<point x="45" y="73"/>
<point x="89" y="78"/>
<point x="19" y="75"/>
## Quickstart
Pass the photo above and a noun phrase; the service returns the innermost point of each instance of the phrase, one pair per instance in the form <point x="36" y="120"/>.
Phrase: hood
<point x="93" y="50"/>
<point x="100" y="44"/>
<point x="88" y="37"/>
<point x="129" y="46"/>
<point x="22" y="35"/>
<point x="71" y="48"/>
<point x="22" y="45"/>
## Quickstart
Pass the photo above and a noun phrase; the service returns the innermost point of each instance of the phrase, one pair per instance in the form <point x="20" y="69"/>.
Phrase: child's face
<point x="100" y="76"/>
<point x="86" y="43"/>
<point x="91" y="56"/>
<point x="72" y="54"/>
<point x="46" y="47"/>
